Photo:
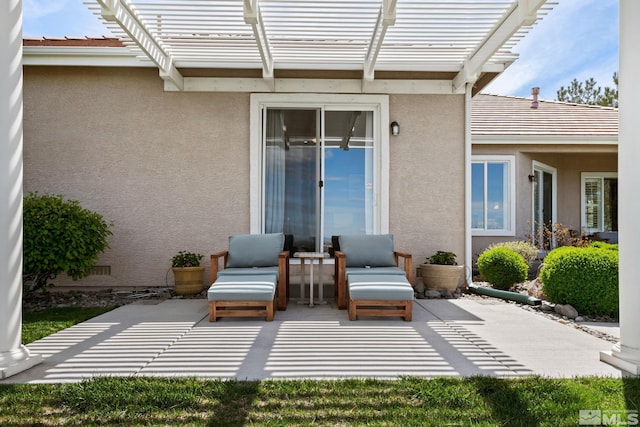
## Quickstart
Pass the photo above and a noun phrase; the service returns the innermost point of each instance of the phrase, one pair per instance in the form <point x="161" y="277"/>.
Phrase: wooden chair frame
<point x="282" y="287"/>
<point x="400" y="308"/>
<point x="241" y="309"/>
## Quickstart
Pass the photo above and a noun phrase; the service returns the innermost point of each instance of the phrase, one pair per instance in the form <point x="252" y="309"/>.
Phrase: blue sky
<point x="578" y="39"/>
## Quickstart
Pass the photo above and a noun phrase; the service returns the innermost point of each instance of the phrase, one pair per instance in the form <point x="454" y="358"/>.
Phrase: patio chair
<point x="369" y="278"/>
<point x="255" y="270"/>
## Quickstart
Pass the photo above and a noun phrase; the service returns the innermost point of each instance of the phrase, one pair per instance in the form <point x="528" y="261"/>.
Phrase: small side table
<point x="320" y="256"/>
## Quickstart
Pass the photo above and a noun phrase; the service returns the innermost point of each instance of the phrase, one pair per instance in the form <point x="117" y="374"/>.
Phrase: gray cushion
<point x="251" y="271"/>
<point x="374" y="270"/>
<point x="380" y="287"/>
<point x="254" y="250"/>
<point x="368" y="250"/>
<point x="243" y="288"/>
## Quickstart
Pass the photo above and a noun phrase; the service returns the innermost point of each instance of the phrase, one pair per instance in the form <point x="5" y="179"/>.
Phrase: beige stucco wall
<point x="569" y="161"/>
<point x="171" y="170"/>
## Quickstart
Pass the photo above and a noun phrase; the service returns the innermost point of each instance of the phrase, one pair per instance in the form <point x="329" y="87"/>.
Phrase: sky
<point x="577" y="39"/>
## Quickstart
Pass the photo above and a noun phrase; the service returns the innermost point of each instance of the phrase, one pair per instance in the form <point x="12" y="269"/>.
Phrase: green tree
<point x="59" y="237"/>
<point x="588" y="92"/>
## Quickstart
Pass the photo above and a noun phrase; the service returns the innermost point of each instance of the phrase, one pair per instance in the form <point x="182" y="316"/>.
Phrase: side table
<point x="311" y="256"/>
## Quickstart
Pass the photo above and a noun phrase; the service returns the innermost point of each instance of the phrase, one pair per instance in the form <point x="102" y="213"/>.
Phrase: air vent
<point x="100" y="270"/>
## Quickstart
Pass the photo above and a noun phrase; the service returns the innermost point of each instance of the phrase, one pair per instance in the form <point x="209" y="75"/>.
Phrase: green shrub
<point x="502" y="267"/>
<point x="586" y="278"/>
<point x="528" y="251"/>
<point x="60" y="237"/>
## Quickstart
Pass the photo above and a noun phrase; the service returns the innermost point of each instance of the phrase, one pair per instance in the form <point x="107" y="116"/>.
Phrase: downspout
<point x="467" y="184"/>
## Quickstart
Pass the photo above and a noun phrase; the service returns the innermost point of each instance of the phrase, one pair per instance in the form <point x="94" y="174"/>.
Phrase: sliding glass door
<point x="318" y="174"/>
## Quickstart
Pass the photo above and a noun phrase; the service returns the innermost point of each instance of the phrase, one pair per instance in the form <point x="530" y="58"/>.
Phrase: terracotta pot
<point x="440" y="277"/>
<point x="188" y="280"/>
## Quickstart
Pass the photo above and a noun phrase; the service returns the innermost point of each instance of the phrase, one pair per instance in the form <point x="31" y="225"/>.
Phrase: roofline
<point x="81" y="56"/>
<point x="544" y="140"/>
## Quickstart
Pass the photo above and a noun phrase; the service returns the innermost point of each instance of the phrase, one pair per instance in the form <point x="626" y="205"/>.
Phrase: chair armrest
<point x="340" y="278"/>
<point x="215" y="267"/>
<point x="408" y="263"/>
<point x="283" y="280"/>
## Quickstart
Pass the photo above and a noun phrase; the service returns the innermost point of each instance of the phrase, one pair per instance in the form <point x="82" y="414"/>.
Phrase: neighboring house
<point x="541" y="162"/>
<point x="238" y="119"/>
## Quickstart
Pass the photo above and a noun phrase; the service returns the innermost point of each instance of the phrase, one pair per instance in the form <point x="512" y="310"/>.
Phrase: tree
<point x="588" y="93"/>
<point x="59" y="237"/>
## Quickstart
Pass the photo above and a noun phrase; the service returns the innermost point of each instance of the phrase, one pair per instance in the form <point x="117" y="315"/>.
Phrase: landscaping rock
<point x="545" y="306"/>
<point x="566" y="310"/>
<point x="433" y="294"/>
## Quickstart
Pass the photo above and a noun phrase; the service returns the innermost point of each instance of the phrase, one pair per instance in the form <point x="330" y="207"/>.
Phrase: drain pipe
<point x="467" y="182"/>
<point x="506" y="295"/>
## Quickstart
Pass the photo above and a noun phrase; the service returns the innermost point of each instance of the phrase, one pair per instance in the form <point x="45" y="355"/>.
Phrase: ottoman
<point x="380" y="295"/>
<point x="242" y="296"/>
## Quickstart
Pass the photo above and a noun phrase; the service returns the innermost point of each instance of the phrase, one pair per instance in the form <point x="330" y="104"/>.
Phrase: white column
<point x="14" y="357"/>
<point x="626" y="354"/>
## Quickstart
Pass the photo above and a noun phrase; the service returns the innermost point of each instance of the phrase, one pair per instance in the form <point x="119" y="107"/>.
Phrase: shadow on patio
<point x="446" y="338"/>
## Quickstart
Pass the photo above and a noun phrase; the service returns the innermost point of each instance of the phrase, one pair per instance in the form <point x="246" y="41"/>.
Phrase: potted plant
<point x="441" y="271"/>
<point x="189" y="275"/>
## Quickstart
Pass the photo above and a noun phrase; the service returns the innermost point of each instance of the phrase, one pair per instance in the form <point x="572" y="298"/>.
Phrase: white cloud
<point x="578" y="39"/>
<point x="36" y="9"/>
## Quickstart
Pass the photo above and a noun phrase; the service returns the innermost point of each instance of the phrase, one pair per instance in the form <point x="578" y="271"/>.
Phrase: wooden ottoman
<point x="242" y="296"/>
<point x="380" y="295"/>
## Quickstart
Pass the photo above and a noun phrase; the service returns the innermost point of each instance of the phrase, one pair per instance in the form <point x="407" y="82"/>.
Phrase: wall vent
<point x="100" y="270"/>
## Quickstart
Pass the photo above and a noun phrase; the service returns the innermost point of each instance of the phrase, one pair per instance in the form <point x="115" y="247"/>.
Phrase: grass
<point x="42" y="323"/>
<point x="475" y="401"/>
<point x="408" y="401"/>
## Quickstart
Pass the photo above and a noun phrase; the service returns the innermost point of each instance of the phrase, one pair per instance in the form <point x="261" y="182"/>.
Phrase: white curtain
<point x="275" y="172"/>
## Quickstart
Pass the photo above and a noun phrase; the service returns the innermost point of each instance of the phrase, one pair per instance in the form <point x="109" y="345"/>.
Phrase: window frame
<point x="510" y="228"/>
<point x="379" y="104"/>
<point x="583" y="211"/>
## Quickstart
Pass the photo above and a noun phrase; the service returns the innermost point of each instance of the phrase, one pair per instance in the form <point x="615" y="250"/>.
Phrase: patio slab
<point x="461" y="337"/>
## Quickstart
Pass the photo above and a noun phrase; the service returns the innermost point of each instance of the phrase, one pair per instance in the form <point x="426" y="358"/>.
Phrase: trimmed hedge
<point x="502" y="267"/>
<point x="528" y="251"/>
<point x="586" y="278"/>
<point x="60" y="236"/>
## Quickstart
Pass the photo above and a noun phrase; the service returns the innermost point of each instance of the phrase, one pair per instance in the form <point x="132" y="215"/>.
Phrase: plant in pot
<point x="441" y="271"/>
<point x="189" y="275"/>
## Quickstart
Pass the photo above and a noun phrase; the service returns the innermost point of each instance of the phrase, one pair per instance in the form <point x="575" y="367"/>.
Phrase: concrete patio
<point x="446" y="338"/>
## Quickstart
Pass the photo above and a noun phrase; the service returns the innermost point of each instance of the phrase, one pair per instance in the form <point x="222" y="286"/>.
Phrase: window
<point x="492" y="195"/>
<point x="323" y="167"/>
<point x="599" y="201"/>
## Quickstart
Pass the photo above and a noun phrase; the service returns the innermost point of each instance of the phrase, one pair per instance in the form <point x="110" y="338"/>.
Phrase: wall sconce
<point x="532" y="178"/>
<point x="395" y="128"/>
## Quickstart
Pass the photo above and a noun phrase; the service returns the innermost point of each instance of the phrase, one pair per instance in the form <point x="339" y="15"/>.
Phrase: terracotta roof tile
<point x="73" y="41"/>
<point x="494" y="115"/>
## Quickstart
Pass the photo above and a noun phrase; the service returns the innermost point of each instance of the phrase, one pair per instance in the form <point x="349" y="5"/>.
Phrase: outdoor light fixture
<point x="532" y="178"/>
<point x="395" y="128"/>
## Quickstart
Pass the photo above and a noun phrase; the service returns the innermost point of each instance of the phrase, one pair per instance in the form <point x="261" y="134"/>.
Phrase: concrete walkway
<point x="460" y="337"/>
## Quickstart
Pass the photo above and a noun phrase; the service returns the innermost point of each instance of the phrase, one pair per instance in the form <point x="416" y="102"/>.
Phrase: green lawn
<point x="475" y="401"/>
<point x="39" y="324"/>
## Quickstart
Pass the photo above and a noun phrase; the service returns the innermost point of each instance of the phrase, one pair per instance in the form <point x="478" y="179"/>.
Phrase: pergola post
<point x="626" y="354"/>
<point x="14" y="357"/>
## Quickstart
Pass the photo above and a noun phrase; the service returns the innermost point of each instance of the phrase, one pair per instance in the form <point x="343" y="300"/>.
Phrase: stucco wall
<point x="570" y="162"/>
<point x="171" y="170"/>
<point x="427" y="174"/>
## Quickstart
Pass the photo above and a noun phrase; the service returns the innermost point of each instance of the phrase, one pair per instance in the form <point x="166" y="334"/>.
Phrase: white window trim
<point x="379" y="104"/>
<point x="511" y="194"/>
<point x="583" y="211"/>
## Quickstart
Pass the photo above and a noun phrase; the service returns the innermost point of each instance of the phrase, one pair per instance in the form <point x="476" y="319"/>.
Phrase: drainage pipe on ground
<point x="506" y="295"/>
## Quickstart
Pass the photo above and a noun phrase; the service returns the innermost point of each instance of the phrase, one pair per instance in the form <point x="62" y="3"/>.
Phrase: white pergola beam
<point x="386" y="18"/>
<point x="116" y="10"/>
<point x="253" y="17"/>
<point x="523" y="13"/>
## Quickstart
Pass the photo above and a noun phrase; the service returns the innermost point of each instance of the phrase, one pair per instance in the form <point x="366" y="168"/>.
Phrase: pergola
<point x="347" y="46"/>
<point x="437" y="45"/>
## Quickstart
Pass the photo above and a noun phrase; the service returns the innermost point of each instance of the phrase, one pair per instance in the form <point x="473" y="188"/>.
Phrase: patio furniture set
<point x="251" y="278"/>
